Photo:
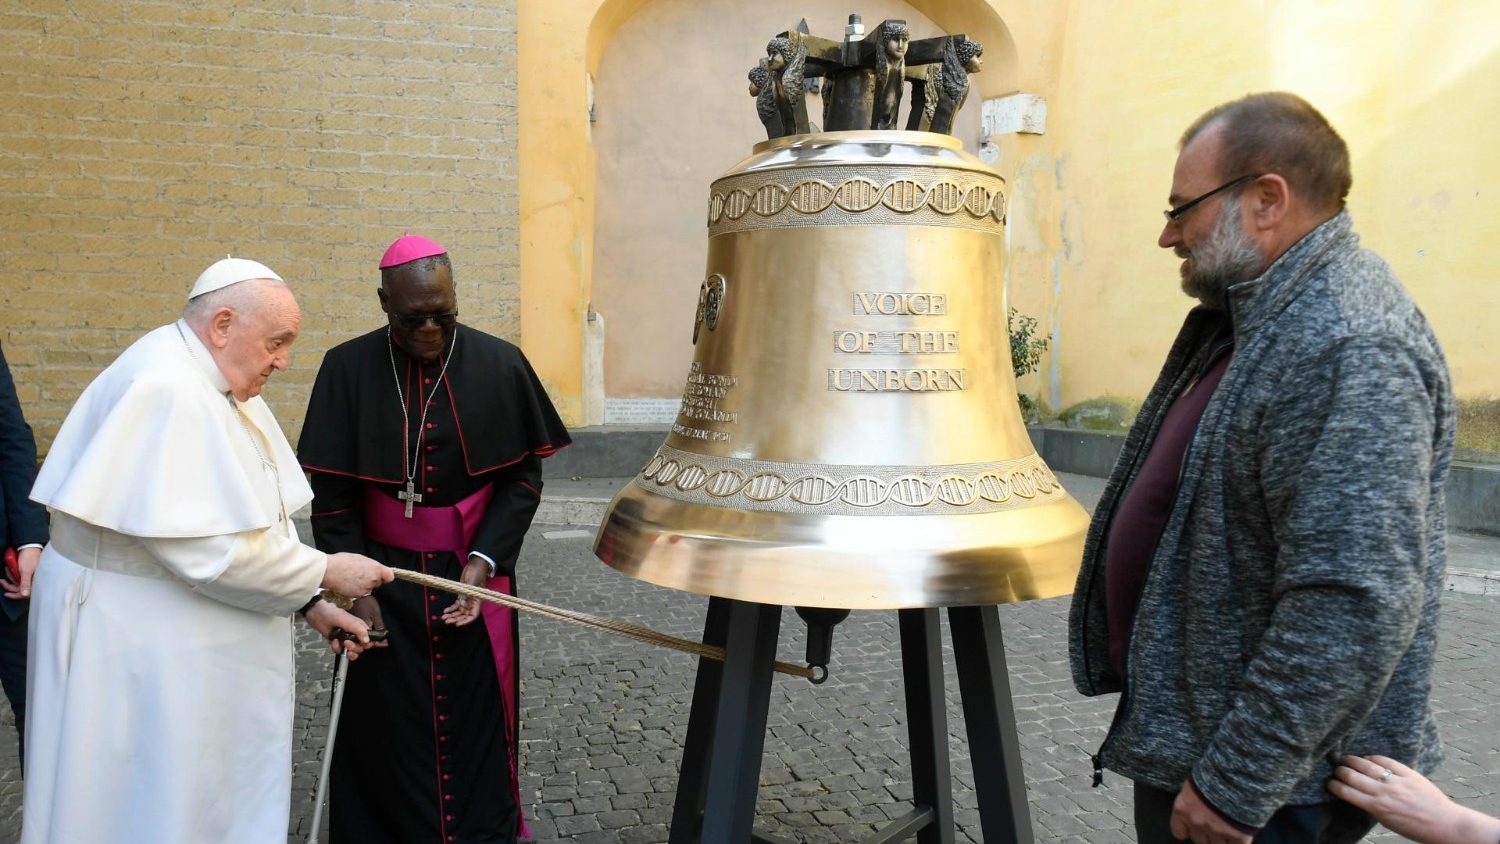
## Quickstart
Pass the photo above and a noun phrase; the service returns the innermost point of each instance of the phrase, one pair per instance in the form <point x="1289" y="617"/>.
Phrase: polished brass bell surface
<point x="849" y="434"/>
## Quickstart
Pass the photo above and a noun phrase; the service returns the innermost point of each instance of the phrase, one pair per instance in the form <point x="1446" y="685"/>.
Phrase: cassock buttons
<point x="431" y="469"/>
<point x="429" y="489"/>
<point x="449" y="817"/>
<point x="430" y="448"/>
<point x="426" y="380"/>
<point x="429" y="426"/>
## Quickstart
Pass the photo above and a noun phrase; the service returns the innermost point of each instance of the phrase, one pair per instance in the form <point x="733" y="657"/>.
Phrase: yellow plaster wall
<point x="1409" y="86"/>
<point x="556" y="200"/>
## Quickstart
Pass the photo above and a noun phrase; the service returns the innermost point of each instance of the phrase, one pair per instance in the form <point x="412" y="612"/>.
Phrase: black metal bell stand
<point x="727" y="726"/>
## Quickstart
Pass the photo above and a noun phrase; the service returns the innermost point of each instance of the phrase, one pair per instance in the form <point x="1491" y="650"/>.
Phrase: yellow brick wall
<point x="144" y="140"/>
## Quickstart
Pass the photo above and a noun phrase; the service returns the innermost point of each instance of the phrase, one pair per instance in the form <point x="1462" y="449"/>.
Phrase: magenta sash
<point x="451" y="529"/>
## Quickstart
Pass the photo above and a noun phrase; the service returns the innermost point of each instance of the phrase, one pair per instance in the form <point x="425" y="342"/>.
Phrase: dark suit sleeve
<point x="518" y="492"/>
<point x="338" y="523"/>
<point x="25" y="520"/>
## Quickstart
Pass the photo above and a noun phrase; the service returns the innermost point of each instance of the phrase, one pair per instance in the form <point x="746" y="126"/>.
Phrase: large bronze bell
<point x="849" y="433"/>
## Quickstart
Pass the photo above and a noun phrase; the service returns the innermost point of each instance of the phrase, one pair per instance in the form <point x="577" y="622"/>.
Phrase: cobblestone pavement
<point x="603" y="719"/>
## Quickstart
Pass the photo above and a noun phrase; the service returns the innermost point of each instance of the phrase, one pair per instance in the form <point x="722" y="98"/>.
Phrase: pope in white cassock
<point x="160" y="667"/>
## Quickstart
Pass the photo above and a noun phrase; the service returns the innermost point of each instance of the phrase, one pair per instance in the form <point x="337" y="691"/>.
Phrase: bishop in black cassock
<point x="424" y="441"/>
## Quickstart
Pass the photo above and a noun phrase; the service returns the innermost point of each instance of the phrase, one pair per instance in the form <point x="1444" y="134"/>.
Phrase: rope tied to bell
<point x="618" y="628"/>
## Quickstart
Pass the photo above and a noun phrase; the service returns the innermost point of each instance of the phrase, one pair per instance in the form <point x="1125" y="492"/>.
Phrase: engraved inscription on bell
<point x="897" y="380"/>
<point x="701" y="399"/>
<point x="901" y="304"/>
<point x="876" y="305"/>
<point x="896" y="342"/>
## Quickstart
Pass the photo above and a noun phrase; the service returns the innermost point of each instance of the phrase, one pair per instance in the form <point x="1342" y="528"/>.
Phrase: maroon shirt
<point x="1143" y="512"/>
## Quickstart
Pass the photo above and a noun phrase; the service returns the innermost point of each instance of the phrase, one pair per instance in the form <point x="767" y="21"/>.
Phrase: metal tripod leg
<point x="692" y="783"/>
<point x="740" y="725"/>
<point x="927" y="722"/>
<point x="994" y="745"/>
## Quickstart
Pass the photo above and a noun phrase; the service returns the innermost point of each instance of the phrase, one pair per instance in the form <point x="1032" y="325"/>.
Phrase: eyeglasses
<point x="412" y="322"/>
<point x="1175" y="214"/>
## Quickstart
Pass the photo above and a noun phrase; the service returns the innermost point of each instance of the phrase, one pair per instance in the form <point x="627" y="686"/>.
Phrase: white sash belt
<point x="103" y="550"/>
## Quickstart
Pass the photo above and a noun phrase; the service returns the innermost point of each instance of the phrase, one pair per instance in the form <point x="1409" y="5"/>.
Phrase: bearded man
<point x="1261" y="579"/>
<point x="160" y="669"/>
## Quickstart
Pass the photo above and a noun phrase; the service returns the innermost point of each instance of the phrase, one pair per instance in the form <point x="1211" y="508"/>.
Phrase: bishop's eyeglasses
<point x="1175" y="214"/>
<point x="413" y="322"/>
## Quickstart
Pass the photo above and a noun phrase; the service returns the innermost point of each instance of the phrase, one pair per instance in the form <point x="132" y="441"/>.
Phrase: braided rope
<point x="619" y="628"/>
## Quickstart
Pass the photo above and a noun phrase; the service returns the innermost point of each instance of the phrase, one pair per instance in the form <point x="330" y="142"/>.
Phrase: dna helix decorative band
<point x="830" y="198"/>
<point x="852" y="490"/>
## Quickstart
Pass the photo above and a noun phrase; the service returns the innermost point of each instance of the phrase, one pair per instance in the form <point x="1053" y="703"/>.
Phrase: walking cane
<point x="339" y="674"/>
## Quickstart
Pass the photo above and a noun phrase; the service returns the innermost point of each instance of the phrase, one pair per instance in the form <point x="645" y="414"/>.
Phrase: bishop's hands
<point x="465" y="609"/>
<point x="355" y="575"/>
<point x="330" y="622"/>
<point x="367" y="610"/>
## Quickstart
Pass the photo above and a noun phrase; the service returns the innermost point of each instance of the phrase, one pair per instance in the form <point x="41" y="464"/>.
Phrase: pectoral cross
<point x="410" y="496"/>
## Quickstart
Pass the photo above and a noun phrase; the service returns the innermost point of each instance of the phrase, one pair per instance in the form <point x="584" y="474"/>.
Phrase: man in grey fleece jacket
<point x="1261" y="579"/>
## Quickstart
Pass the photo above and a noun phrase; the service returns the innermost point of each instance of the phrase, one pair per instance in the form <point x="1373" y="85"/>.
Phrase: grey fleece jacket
<point x="1290" y="611"/>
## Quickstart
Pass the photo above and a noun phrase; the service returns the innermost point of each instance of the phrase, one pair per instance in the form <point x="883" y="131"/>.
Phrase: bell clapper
<point x="820" y="624"/>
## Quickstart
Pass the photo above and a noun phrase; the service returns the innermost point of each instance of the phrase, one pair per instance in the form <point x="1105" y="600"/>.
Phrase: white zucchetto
<point x="229" y="271"/>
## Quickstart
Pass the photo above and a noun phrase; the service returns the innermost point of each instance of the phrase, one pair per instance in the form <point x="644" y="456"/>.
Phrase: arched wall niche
<point x="671" y="114"/>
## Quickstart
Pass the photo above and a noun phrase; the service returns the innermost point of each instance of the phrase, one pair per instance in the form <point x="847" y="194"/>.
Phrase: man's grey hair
<point x="1277" y="132"/>
<point x="241" y="297"/>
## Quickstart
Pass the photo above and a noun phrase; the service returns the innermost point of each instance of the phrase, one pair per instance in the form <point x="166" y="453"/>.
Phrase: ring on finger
<point x="1386" y="774"/>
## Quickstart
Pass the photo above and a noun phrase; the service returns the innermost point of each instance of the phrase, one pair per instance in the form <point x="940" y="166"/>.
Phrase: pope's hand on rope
<point x="355" y="575"/>
<point x="466" y="609"/>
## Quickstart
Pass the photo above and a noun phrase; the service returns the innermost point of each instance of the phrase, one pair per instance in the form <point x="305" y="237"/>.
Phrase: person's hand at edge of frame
<point x="1408" y="804"/>
<point x="19" y="589"/>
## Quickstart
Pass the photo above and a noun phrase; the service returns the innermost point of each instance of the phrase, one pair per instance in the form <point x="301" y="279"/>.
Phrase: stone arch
<point x="975" y="18"/>
<point x="560" y="45"/>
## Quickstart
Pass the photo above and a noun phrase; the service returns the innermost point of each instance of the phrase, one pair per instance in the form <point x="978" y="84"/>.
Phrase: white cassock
<point x="159" y="676"/>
